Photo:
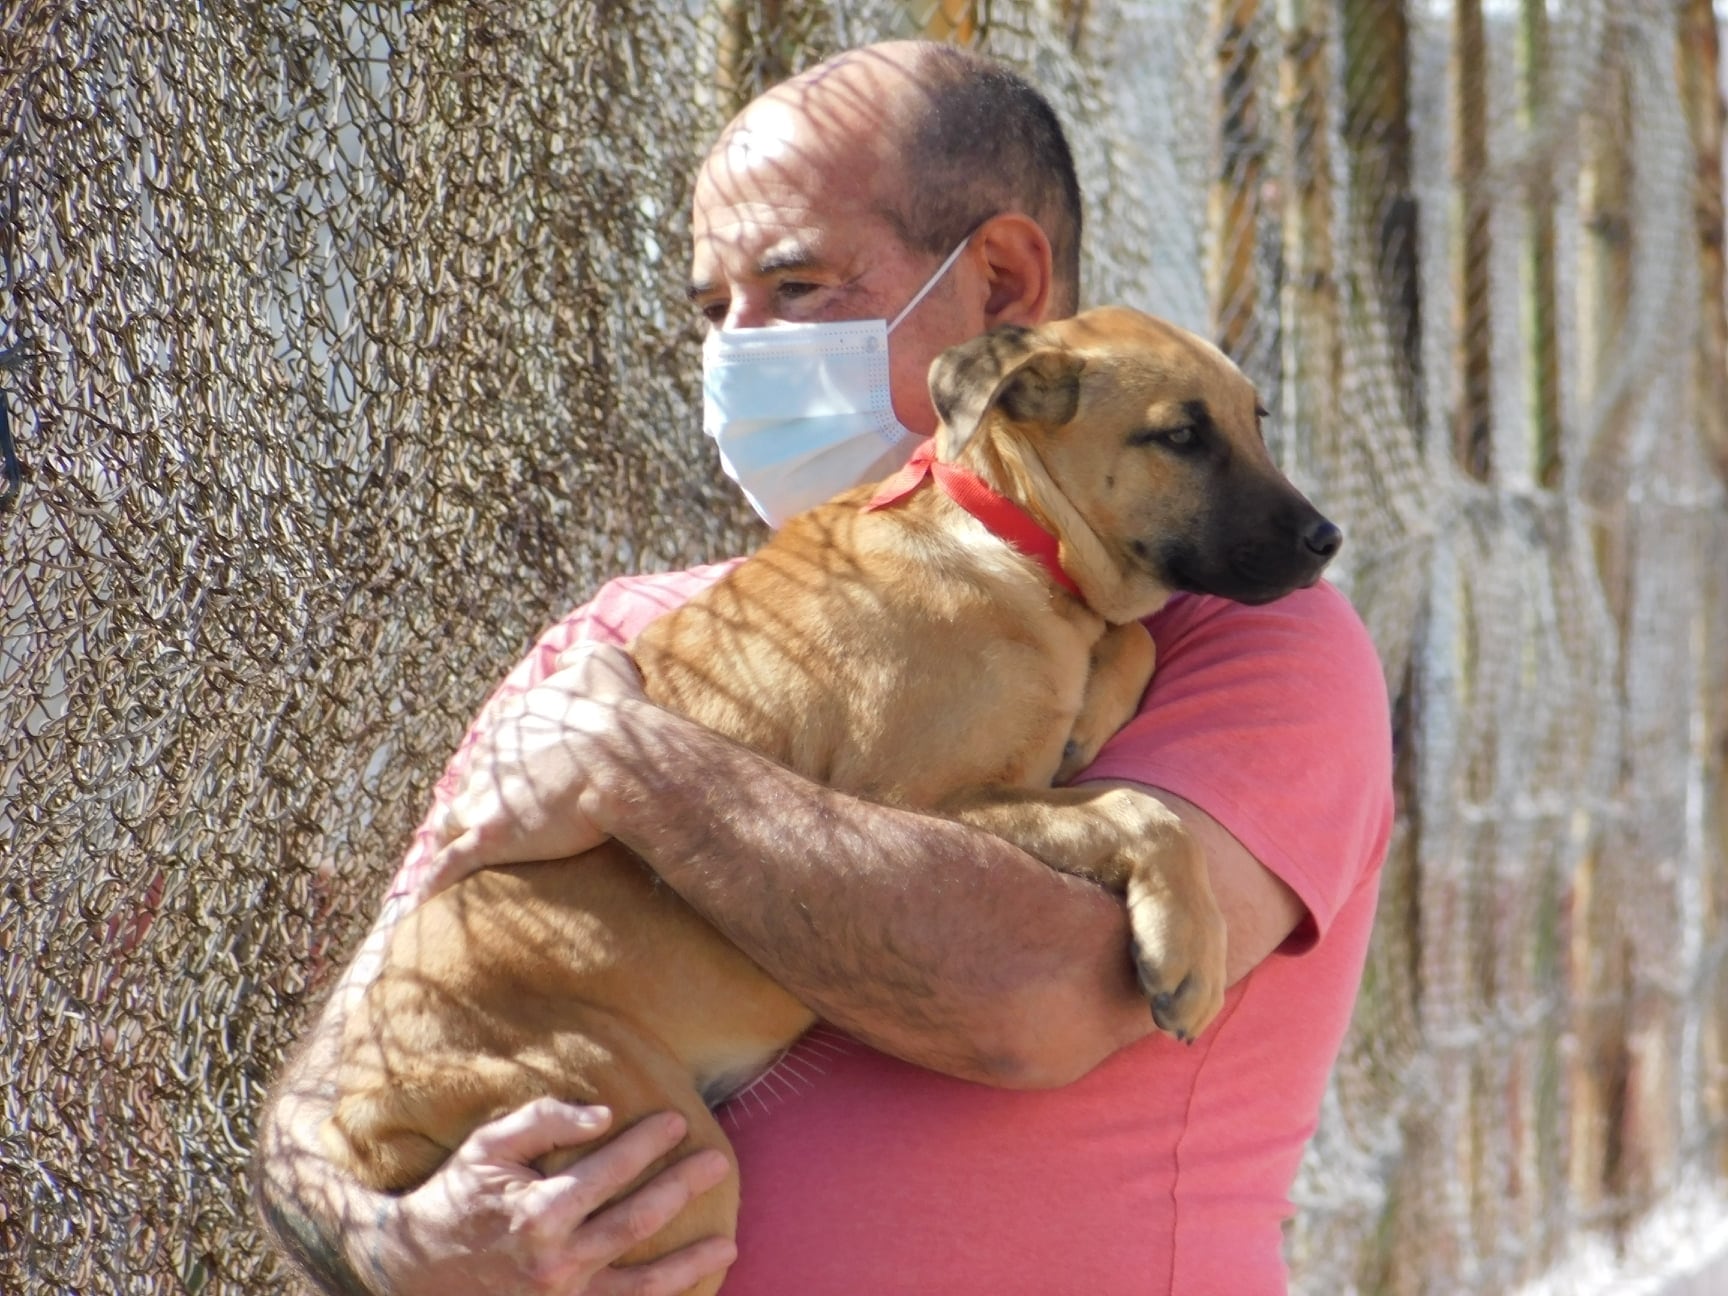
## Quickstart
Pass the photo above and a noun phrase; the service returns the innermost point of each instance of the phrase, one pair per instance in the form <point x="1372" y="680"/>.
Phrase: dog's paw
<point x="1178" y="953"/>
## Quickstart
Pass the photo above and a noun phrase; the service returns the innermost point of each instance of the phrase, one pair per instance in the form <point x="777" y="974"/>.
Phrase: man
<point x="991" y="1109"/>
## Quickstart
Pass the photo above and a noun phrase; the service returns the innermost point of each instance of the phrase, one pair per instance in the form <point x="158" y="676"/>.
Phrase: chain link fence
<point x="343" y="345"/>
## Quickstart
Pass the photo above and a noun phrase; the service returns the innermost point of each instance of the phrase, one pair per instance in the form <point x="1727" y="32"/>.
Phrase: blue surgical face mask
<point x="801" y="412"/>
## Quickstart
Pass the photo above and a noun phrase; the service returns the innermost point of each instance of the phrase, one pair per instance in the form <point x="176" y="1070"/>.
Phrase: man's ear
<point x="1015" y="370"/>
<point x="1019" y="278"/>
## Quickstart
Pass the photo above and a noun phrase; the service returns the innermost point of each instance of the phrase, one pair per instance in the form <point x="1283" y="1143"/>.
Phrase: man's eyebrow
<point x="784" y="259"/>
<point x="779" y="261"/>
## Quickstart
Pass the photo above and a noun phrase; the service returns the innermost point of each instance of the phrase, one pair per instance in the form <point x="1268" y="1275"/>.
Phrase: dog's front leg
<point x="1119" y="672"/>
<point x="1134" y="844"/>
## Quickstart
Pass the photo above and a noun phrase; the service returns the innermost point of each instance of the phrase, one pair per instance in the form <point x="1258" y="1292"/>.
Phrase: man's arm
<point x="319" y="1218"/>
<point x="486" y="1222"/>
<point x="928" y="939"/>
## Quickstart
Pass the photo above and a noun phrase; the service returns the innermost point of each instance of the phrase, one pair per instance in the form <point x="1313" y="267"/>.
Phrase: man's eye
<point x="715" y="312"/>
<point x="795" y="288"/>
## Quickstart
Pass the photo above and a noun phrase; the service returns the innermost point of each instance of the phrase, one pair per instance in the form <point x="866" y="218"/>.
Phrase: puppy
<point x="1082" y="472"/>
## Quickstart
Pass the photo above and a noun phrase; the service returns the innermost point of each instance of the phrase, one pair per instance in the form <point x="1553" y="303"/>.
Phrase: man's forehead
<point x="766" y="135"/>
<point x="757" y="211"/>
<point x="799" y="180"/>
<point x="776" y="156"/>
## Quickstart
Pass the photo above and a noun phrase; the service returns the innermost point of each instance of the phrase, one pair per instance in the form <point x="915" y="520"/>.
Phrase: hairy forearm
<point x="927" y="938"/>
<point x="303" y="1210"/>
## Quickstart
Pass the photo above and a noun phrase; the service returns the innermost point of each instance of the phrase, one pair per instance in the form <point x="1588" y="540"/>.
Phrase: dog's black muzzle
<point x="1256" y="564"/>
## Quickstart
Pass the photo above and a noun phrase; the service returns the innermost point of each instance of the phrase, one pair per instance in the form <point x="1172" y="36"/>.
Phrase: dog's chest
<point x="988" y="553"/>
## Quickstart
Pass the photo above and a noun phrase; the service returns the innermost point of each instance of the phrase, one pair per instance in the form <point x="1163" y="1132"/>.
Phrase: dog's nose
<point x="1323" y="539"/>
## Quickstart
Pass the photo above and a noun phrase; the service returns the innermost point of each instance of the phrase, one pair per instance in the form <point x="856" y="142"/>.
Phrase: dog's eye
<point x="1184" y="436"/>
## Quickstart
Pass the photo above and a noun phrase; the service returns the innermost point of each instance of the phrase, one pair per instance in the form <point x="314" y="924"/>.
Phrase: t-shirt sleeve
<point x="615" y="615"/>
<point x="1274" y="721"/>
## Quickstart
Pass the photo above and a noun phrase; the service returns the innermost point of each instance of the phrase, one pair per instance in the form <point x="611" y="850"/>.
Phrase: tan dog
<point x="1137" y="446"/>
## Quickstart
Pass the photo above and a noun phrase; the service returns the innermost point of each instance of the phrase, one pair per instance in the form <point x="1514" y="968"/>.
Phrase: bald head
<point x="976" y="139"/>
<point x="931" y="137"/>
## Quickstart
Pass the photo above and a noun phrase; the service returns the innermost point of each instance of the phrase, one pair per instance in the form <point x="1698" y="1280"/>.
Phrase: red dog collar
<point x="1001" y="516"/>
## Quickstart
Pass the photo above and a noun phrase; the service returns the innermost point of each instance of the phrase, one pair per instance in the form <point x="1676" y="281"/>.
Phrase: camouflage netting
<point x="342" y="346"/>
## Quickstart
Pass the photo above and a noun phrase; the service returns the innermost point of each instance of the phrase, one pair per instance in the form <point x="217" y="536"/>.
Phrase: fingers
<point x="602" y="667"/>
<point x="584" y="1186"/>
<point x="534" y="1129"/>
<point x="451" y="862"/>
<point x="614" y="1230"/>
<point x="668" y="1275"/>
<point x="570" y="1207"/>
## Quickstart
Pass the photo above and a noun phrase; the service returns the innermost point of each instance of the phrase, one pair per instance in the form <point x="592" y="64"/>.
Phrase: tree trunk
<point x="1314" y="362"/>
<point x="1234" y="206"/>
<point x="1383" y="226"/>
<point x="1601" y="1075"/>
<point x="1541" y="295"/>
<point x="1473" y="357"/>
<point x="1698" y="67"/>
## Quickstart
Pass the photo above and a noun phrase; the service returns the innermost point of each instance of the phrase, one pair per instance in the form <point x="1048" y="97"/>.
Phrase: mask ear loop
<point x="930" y="283"/>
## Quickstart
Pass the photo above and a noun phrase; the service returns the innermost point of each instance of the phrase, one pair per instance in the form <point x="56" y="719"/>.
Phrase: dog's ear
<point x="1013" y="369"/>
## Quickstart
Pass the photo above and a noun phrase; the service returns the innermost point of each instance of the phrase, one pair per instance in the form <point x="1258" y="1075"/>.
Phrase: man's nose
<point x="749" y="310"/>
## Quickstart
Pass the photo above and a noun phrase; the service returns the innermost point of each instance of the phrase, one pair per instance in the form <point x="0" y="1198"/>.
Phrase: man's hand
<point x="487" y="1222"/>
<point x="525" y="790"/>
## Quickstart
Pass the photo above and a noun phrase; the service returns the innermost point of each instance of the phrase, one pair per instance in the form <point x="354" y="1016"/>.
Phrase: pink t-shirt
<point x="1167" y="1168"/>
